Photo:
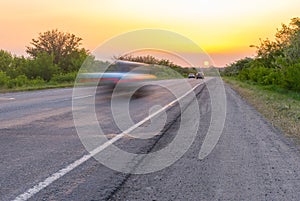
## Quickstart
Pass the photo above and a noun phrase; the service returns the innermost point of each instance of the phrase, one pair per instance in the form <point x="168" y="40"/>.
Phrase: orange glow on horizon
<point x="224" y="29"/>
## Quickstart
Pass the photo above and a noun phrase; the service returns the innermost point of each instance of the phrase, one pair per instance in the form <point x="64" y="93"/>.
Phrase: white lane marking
<point x="35" y="189"/>
<point x="4" y="99"/>
<point x="80" y="97"/>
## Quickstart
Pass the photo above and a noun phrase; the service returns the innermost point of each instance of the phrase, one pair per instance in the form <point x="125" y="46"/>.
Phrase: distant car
<point x="191" y="75"/>
<point x="200" y="75"/>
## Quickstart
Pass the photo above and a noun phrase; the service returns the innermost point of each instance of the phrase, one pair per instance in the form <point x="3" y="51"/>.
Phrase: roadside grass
<point x="37" y="87"/>
<point x="22" y="83"/>
<point x="281" y="107"/>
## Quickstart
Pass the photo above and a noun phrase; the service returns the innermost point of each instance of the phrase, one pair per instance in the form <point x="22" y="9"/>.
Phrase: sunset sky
<point x="223" y="28"/>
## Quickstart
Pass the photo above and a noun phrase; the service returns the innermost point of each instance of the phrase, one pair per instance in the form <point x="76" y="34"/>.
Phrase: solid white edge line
<point x="35" y="189"/>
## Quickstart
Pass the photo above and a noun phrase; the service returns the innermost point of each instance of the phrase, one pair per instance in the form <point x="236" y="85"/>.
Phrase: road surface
<point x="251" y="161"/>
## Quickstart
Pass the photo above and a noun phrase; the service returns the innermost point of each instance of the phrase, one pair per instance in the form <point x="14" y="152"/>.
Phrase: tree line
<point x="149" y="59"/>
<point x="277" y="61"/>
<point x="54" y="57"/>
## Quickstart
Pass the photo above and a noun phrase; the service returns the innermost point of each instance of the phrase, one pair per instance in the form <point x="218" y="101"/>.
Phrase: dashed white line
<point x="4" y="99"/>
<point x="35" y="189"/>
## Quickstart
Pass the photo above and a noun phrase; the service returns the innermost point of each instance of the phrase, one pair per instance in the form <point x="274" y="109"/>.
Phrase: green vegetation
<point x="164" y="67"/>
<point x="271" y="80"/>
<point x="277" y="62"/>
<point x="280" y="106"/>
<point x="55" y="58"/>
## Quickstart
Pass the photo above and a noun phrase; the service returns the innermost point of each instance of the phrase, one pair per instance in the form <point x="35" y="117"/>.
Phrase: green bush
<point x="41" y="66"/>
<point x="277" y="62"/>
<point x="273" y="78"/>
<point x="19" y="81"/>
<point x="291" y="79"/>
<point x="244" y="74"/>
<point x="6" y="59"/>
<point x="62" y="78"/>
<point x="262" y="75"/>
<point x="35" y="72"/>
<point x="3" y="79"/>
<point x="37" y="82"/>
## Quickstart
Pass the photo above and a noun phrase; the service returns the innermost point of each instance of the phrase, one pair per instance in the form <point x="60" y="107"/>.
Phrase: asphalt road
<point x="251" y="161"/>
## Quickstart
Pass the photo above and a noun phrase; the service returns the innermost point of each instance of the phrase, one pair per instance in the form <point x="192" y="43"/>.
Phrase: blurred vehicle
<point x="200" y="75"/>
<point x="124" y="75"/>
<point x="112" y="78"/>
<point x="191" y="75"/>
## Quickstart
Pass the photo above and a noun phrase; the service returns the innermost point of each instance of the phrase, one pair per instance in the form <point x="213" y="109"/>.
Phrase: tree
<point x="292" y="51"/>
<point x="17" y="66"/>
<point x="286" y="44"/>
<point x="41" y="67"/>
<point x="64" y="47"/>
<point x="73" y="61"/>
<point x="6" y="60"/>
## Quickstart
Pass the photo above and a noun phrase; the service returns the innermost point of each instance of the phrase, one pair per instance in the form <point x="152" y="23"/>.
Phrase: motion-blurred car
<point x="127" y="76"/>
<point x="200" y="75"/>
<point x="191" y="75"/>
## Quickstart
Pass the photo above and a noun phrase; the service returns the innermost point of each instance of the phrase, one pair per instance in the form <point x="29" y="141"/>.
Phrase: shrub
<point x="41" y="66"/>
<point x="274" y="77"/>
<point x="19" y="81"/>
<point x="37" y="82"/>
<point x="61" y="78"/>
<point x="6" y="59"/>
<point x="244" y="74"/>
<point x="291" y="77"/>
<point x="3" y="79"/>
<point x="277" y="62"/>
